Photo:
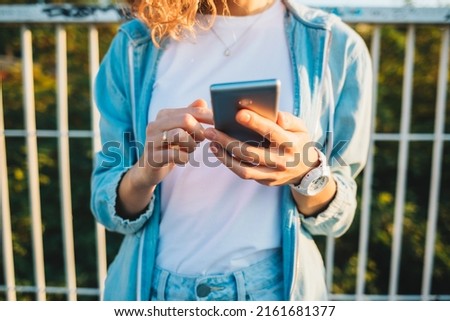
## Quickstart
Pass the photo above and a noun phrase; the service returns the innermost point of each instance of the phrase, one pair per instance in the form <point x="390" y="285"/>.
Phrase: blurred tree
<point x="79" y="98"/>
<point x="427" y="50"/>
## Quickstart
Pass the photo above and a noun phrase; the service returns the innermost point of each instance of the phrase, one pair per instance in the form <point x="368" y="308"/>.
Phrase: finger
<point x="177" y="156"/>
<point x="243" y="170"/>
<point x="289" y="122"/>
<point x="244" y="152"/>
<point x="198" y="109"/>
<point x="168" y="156"/>
<point x="179" y="138"/>
<point x="199" y="103"/>
<point x="185" y="121"/>
<point x="262" y="126"/>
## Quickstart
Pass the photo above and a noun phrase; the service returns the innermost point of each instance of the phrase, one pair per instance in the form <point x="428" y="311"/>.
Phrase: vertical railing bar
<point x="32" y="161"/>
<point x="402" y="166"/>
<point x="5" y="211"/>
<point x="368" y="173"/>
<point x="439" y="129"/>
<point x="329" y="262"/>
<point x="94" y="58"/>
<point x="64" y="162"/>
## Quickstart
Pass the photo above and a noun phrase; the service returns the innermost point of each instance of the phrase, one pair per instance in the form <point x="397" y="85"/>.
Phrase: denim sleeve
<point x="352" y="124"/>
<point x="118" y="151"/>
<point x="338" y="216"/>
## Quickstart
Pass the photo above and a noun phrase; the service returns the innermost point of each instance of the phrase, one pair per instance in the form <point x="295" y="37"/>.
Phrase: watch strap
<point x="321" y="171"/>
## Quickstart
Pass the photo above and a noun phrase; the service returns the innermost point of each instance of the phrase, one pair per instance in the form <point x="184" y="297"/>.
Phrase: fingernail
<point x="210" y="133"/>
<point x="244" y="117"/>
<point x="213" y="148"/>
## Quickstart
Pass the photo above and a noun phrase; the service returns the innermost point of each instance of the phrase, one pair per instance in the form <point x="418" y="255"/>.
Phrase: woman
<point x="202" y="222"/>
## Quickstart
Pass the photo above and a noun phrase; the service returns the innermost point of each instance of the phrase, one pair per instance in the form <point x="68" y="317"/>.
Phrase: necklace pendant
<point x="227" y="52"/>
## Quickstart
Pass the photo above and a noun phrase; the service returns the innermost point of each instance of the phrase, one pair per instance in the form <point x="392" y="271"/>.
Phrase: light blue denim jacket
<point x="332" y="93"/>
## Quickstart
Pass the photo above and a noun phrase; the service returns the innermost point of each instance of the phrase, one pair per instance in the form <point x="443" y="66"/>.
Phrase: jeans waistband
<point x="260" y="281"/>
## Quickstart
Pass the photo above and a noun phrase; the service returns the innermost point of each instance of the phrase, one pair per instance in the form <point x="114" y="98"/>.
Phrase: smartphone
<point x="260" y="96"/>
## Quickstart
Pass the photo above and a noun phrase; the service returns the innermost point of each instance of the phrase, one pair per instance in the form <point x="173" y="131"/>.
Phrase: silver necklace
<point x="227" y="51"/>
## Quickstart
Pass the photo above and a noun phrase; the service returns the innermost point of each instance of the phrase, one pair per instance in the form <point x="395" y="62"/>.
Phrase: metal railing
<point x="93" y="16"/>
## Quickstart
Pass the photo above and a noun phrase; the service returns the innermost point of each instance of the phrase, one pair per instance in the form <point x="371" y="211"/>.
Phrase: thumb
<point x="289" y="122"/>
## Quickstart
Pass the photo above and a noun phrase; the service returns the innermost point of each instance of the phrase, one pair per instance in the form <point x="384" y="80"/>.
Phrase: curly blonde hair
<point x="174" y="18"/>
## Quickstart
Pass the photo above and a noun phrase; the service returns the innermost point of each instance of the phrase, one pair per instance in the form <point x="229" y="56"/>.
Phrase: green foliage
<point x="415" y="211"/>
<point x="79" y="100"/>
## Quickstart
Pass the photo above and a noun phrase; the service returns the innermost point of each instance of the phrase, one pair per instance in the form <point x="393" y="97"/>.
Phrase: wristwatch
<point x="316" y="179"/>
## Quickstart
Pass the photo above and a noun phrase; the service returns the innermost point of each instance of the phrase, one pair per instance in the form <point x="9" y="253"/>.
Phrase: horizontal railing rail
<point x="24" y="16"/>
<point x="68" y="13"/>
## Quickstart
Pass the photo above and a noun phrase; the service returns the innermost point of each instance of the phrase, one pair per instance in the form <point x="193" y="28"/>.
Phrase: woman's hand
<point x="290" y="155"/>
<point x="170" y="138"/>
<point x="173" y="135"/>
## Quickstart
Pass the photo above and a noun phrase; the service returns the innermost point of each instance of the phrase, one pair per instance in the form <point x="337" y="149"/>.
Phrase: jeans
<point x="262" y="281"/>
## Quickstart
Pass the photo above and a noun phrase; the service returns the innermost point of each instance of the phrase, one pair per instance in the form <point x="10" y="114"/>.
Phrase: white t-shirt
<point x="212" y="220"/>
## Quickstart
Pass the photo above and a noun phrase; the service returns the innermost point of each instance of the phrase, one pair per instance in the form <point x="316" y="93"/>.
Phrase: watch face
<point x="317" y="185"/>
